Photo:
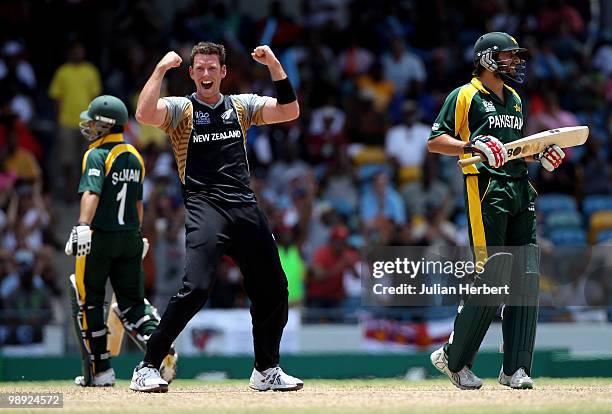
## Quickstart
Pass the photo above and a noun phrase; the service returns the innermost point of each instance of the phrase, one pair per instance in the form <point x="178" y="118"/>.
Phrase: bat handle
<point x="464" y="162"/>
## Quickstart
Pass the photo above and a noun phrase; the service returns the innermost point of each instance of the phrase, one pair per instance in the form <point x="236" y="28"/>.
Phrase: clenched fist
<point x="264" y="55"/>
<point x="170" y="60"/>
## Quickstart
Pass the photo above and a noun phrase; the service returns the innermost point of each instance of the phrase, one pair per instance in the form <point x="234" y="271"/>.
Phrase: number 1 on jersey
<point x="121" y="196"/>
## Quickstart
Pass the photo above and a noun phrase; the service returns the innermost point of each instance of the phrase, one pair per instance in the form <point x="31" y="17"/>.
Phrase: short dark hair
<point x="208" y="48"/>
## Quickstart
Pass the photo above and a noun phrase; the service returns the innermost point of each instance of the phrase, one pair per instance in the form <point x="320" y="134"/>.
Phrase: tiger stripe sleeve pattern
<point x="178" y="125"/>
<point x="250" y="109"/>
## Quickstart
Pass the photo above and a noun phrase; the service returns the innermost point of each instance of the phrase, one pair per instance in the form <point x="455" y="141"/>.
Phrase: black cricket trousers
<point x="241" y="232"/>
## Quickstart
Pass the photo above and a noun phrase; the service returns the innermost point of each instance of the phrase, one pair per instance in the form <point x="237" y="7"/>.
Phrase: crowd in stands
<point x="351" y="173"/>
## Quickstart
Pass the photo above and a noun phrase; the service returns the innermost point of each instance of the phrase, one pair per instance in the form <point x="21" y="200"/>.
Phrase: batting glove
<point x="79" y="242"/>
<point x="551" y="157"/>
<point x="490" y="148"/>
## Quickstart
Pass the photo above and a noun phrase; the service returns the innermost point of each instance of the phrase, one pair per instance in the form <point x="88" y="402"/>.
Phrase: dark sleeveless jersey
<point x="209" y="144"/>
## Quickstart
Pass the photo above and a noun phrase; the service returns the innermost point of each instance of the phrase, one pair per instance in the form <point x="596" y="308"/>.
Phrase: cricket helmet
<point x="104" y="114"/>
<point x="486" y="54"/>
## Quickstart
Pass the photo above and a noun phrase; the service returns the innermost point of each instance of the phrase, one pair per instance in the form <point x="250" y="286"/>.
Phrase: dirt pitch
<point x="327" y="396"/>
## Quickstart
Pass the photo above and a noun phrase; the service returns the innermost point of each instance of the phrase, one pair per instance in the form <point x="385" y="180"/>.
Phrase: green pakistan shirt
<point x="115" y="171"/>
<point x="472" y="110"/>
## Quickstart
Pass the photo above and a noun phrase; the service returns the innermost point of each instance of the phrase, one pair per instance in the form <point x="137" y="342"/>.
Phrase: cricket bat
<point x="536" y="143"/>
<point x="115" y="328"/>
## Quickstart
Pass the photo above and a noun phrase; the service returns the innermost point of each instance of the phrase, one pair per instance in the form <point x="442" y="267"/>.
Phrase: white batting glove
<point x="79" y="242"/>
<point x="551" y="157"/>
<point x="490" y="148"/>
<point x="145" y="247"/>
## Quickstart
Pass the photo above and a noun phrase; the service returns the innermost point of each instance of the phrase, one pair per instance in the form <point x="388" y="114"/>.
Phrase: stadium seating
<point x="556" y="202"/>
<point x="561" y="219"/>
<point x="594" y="203"/>
<point x="604" y="237"/>
<point x="574" y="236"/>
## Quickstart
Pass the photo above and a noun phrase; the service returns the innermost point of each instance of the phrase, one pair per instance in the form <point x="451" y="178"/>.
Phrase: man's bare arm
<point x="89" y="204"/>
<point x="447" y="145"/>
<point x="272" y="111"/>
<point x="151" y="110"/>
<point x="491" y="149"/>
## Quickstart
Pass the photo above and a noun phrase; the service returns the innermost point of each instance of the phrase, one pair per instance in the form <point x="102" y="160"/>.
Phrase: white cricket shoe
<point x="519" y="380"/>
<point x="146" y="378"/>
<point x="464" y="379"/>
<point x="101" y="379"/>
<point x="274" y="379"/>
<point x="168" y="366"/>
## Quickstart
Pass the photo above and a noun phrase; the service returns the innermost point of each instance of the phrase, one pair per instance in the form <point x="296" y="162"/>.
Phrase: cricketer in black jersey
<point x="214" y="160"/>
<point x="207" y="131"/>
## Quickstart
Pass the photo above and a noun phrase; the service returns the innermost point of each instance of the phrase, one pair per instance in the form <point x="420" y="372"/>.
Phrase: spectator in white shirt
<point x="403" y="68"/>
<point x="406" y="143"/>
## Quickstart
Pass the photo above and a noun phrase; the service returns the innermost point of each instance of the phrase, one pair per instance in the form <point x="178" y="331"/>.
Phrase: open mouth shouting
<point x="207" y="74"/>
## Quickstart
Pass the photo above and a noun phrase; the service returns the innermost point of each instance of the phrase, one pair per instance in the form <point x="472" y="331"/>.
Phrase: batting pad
<point x="474" y="319"/>
<point x="520" y="320"/>
<point x="76" y="313"/>
<point x="90" y="331"/>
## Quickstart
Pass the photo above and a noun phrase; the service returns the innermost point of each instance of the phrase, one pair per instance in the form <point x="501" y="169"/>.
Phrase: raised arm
<point x="150" y="109"/>
<point x="285" y="106"/>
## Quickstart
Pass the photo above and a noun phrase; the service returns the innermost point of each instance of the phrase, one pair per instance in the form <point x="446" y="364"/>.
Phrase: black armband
<point x="285" y="93"/>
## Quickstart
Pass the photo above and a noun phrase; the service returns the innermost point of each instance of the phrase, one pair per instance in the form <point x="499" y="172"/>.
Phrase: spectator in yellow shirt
<point x="74" y="85"/>
<point x="374" y="85"/>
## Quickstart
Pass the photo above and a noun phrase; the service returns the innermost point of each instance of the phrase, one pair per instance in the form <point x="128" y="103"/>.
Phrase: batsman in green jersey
<point x="107" y="240"/>
<point x="479" y="118"/>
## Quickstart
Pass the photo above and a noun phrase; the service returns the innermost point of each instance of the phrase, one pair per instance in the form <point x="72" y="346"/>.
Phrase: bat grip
<point x="464" y="162"/>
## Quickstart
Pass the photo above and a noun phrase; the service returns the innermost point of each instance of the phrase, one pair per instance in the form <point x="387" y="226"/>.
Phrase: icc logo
<point x="488" y="106"/>
<point x="201" y="118"/>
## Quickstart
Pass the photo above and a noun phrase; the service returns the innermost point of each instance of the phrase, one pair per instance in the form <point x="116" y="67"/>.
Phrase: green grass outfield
<point x="568" y="395"/>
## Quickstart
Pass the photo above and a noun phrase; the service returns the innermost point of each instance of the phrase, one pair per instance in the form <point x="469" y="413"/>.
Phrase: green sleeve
<point x="445" y="122"/>
<point x="93" y="172"/>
